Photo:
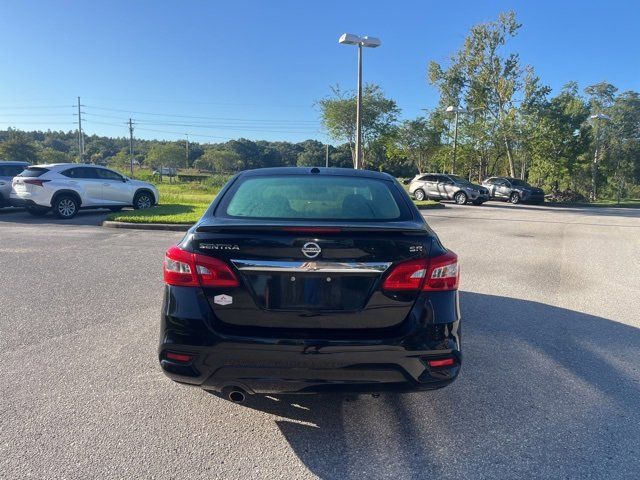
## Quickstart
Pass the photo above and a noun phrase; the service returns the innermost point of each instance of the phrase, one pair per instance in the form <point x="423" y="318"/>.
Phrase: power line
<point x="195" y="117"/>
<point x="22" y="107"/>
<point x="183" y="133"/>
<point x="187" y="102"/>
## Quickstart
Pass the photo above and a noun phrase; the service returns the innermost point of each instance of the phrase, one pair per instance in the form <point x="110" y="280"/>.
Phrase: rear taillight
<point x="440" y="362"/>
<point x="35" y="181"/>
<point x="178" y="357"/>
<point x="431" y="274"/>
<point x="188" y="269"/>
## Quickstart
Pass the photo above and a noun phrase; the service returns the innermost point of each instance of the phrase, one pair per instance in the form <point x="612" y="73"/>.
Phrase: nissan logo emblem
<point x="311" y="250"/>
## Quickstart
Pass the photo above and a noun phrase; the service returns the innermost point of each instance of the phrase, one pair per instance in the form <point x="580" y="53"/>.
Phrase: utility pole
<point x="80" y="136"/>
<point x="326" y="156"/>
<point x="131" y="145"/>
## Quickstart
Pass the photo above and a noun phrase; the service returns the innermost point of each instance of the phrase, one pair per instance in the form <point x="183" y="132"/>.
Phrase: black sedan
<point x="513" y="190"/>
<point x="301" y="280"/>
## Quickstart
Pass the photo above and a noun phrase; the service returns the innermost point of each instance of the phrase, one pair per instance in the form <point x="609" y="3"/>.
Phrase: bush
<point x="568" y="196"/>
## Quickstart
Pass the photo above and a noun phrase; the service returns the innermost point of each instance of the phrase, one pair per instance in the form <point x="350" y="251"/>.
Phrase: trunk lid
<point x="304" y="277"/>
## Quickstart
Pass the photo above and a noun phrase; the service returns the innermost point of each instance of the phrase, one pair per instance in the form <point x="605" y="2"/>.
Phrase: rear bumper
<point x="397" y="361"/>
<point x="21" y="202"/>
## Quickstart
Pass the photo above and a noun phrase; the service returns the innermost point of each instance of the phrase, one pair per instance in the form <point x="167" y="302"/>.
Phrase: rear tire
<point x="420" y="195"/>
<point x="37" y="211"/>
<point x="460" y="198"/>
<point x="142" y="200"/>
<point x="515" y="198"/>
<point x="65" y="207"/>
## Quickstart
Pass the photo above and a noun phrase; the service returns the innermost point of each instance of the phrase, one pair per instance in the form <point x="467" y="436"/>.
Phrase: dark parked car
<point x="8" y="170"/>
<point x="440" y="186"/>
<point x="300" y="280"/>
<point x="513" y="190"/>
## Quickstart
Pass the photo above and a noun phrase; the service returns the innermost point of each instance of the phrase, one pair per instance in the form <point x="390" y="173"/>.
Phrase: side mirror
<point x="125" y="179"/>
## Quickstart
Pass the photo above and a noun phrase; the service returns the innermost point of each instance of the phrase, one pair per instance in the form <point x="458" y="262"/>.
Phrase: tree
<point x="166" y="155"/>
<point x="601" y="97"/>
<point x="555" y="137"/>
<point x="312" y="155"/>
<point x="481" y="76"/>
<point x="18" y="148"/>
<point x="624" y="167"/>
<point x="50" y="155"/>
<point x="416" y="141"/>
<point x="338" y="111"/>
<point x="221" y="161"/>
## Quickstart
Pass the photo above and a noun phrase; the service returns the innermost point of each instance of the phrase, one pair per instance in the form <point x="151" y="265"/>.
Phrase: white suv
<point x="67" y="187"/>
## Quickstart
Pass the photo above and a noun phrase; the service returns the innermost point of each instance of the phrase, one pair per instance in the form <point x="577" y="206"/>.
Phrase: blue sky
<point x="255" y="68"/>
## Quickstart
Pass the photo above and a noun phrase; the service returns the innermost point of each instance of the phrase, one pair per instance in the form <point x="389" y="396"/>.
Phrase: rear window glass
<point x="10" y="170"/>
<point x="33" y="172"/>
<point x="315" y="198"/>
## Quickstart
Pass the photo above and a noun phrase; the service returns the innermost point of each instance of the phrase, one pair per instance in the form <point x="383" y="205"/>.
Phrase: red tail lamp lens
<point x="186" y="269"/>
<point x="33" y="181"/>
<point x="442" y="362"/>
<point x="178" y="357"/>
<point x="439" y="273"/>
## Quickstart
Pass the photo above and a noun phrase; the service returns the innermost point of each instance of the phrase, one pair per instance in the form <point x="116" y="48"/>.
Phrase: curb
<point x="148" y="226"/>
<point x="437" y="206"/>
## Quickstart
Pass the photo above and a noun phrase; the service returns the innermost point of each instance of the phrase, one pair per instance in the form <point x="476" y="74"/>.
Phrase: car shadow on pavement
<point x="544" y="392"/>
<point x="609" y="211"/>
<point x="84" y="217"/>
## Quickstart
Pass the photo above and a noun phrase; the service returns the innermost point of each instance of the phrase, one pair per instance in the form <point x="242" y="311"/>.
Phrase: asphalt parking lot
<point x="550" y="386"/>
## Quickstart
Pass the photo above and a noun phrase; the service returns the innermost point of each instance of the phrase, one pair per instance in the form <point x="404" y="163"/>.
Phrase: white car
<point x="65" y="188"/>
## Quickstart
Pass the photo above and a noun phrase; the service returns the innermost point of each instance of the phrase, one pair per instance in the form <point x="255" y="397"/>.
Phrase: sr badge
<point x="223" y="299"/>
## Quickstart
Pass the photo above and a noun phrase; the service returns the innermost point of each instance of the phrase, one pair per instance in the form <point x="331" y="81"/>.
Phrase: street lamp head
<point x="366" y="41"/>
<point x="452" y="109"/>
<point x="371" y="42"/>
<point x="350" y="39"/>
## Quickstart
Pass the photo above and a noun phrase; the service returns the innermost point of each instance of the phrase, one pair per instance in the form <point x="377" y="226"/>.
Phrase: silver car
<point x="441" y="186"/>
<point x="8" y="170"/>
<point x="65" y="188"/>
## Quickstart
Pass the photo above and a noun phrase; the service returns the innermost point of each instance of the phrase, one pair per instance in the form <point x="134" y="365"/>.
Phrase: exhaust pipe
<point x="236" y="395"/>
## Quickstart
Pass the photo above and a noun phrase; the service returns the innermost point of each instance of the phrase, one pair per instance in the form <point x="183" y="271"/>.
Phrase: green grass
<point x="180" y="203"/>
<point x="184" y="203"/>
<point x="428" y="204"/>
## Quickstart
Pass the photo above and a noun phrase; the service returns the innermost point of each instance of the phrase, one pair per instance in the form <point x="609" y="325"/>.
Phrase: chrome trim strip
<point x="371" y="268"/>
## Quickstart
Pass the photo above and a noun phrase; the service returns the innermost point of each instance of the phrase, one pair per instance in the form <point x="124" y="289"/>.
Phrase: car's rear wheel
<point x="37" y="211"/>
<point x="514" y="198"/>
<point x="460" y="198"/>
<point x="65" y="207"/>
<point x="142" y="200"/>
<point x="419" y="194"/>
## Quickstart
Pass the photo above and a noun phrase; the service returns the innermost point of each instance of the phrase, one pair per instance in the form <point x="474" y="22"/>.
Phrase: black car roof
<point x="344" y="172"/>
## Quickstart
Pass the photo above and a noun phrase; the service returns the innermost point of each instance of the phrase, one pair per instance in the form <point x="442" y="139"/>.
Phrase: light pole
<point x="594" y="166"/>
<point x="456" y="110"/>
<point x="371" y="42"/>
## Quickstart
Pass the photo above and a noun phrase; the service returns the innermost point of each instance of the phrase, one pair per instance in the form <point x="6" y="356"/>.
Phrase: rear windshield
<point x="33" y="172"/>
<point x="307" y="197"/>
<point x="10" y="170"/>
